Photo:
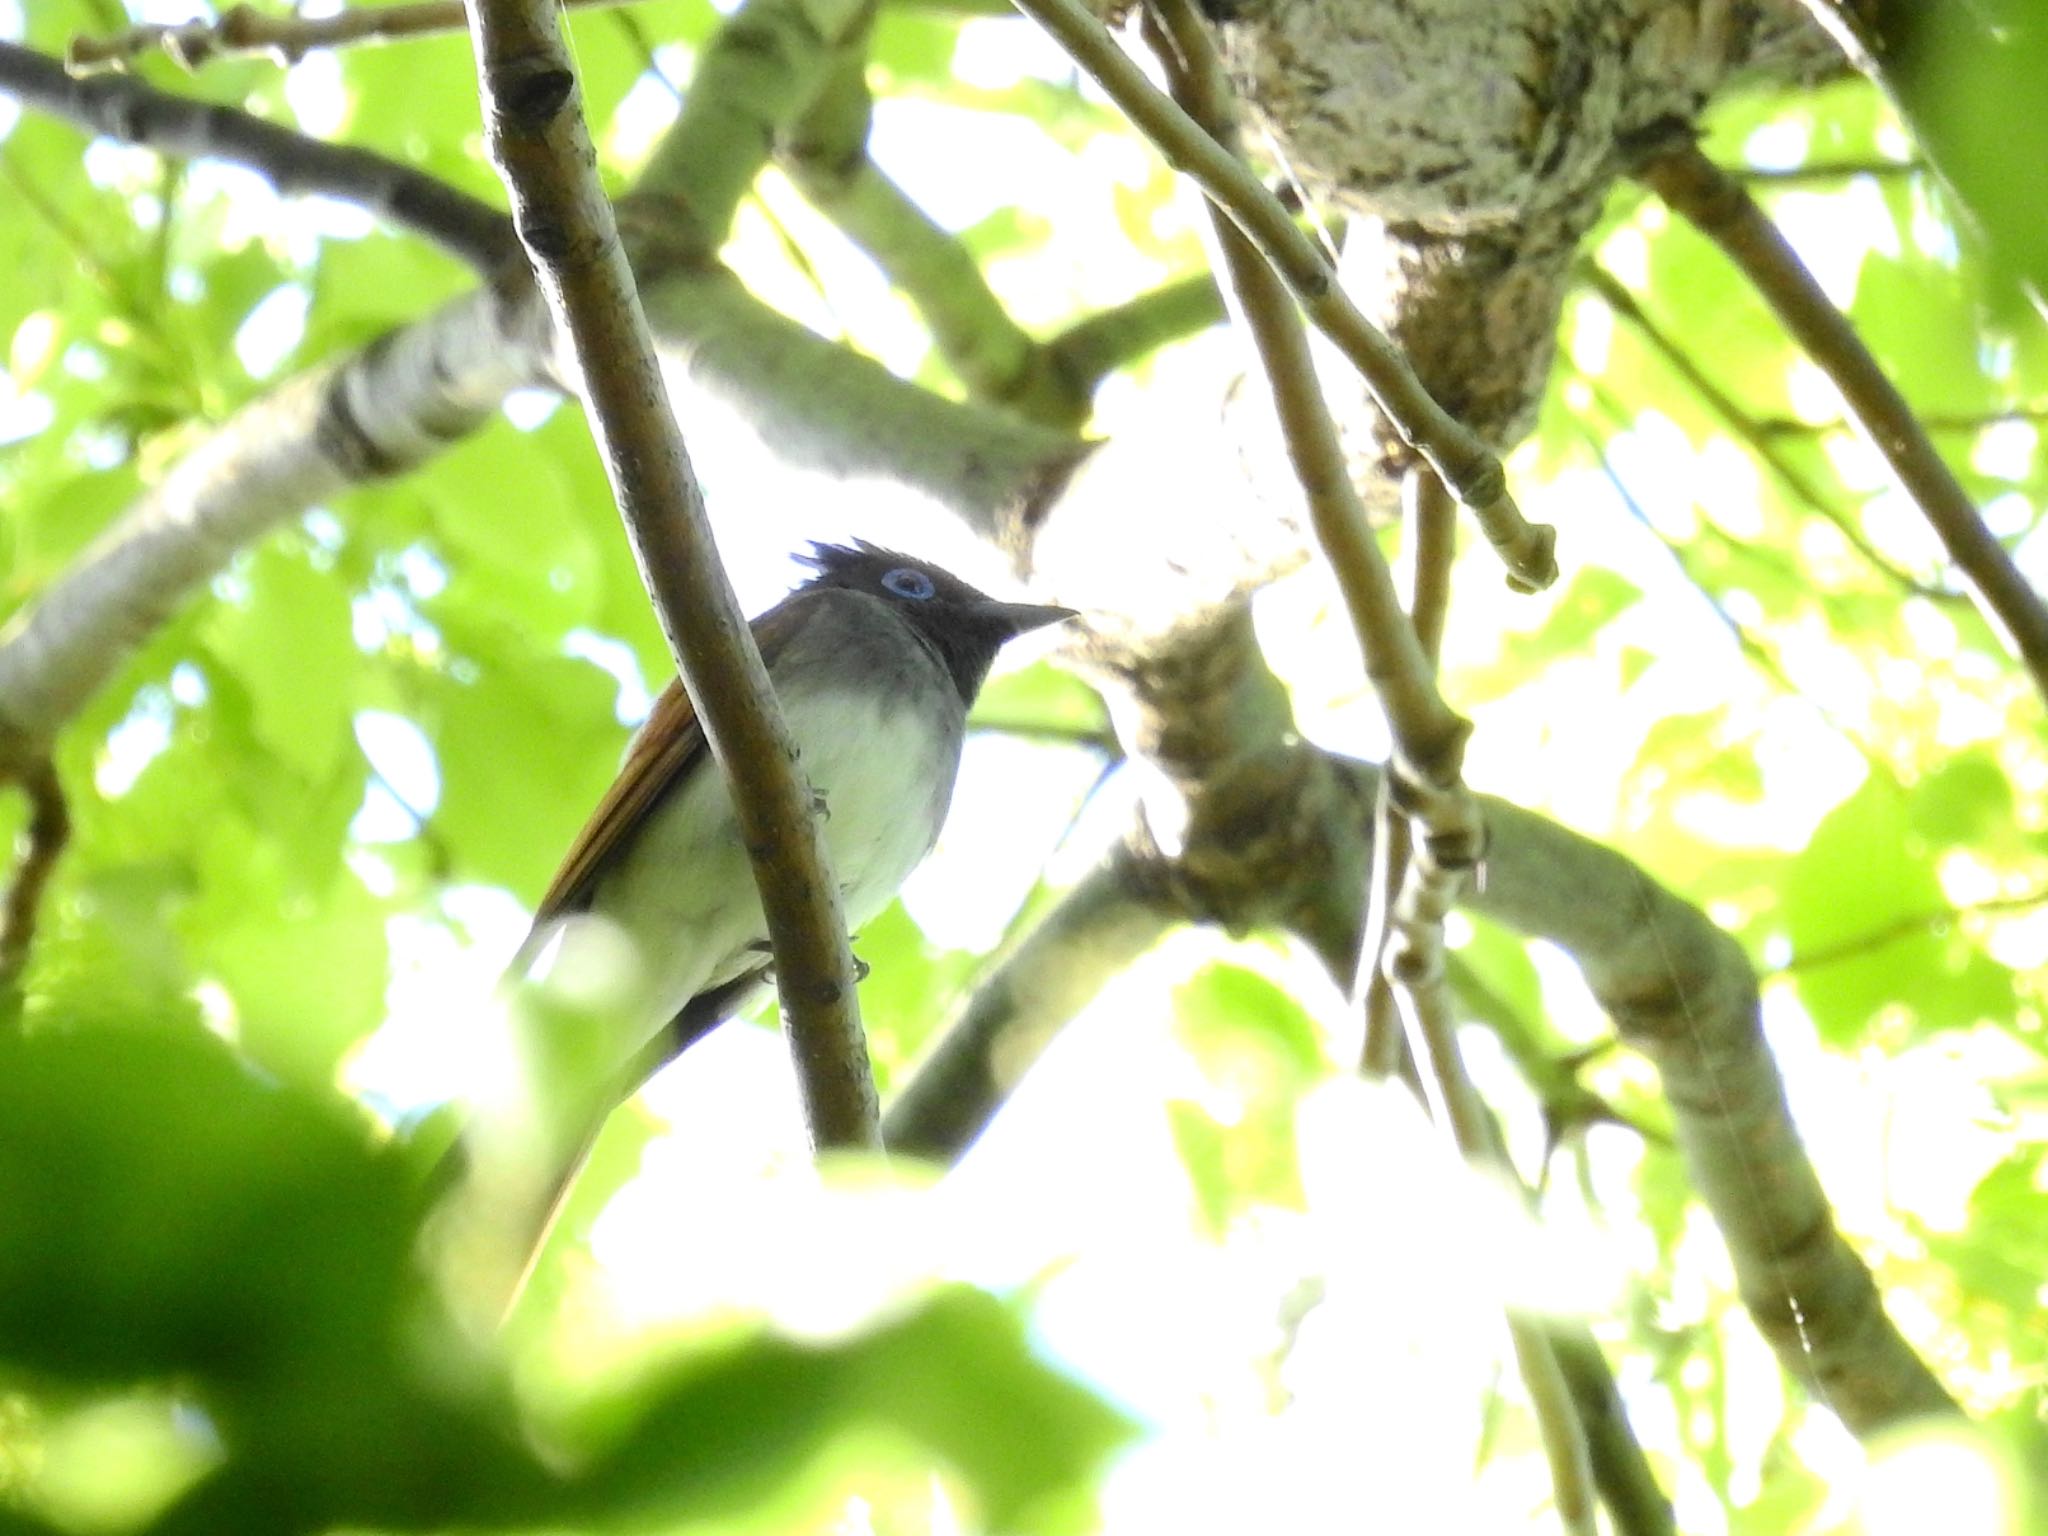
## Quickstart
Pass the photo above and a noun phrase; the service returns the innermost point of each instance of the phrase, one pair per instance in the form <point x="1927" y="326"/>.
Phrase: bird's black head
<point x="964" y="626"/>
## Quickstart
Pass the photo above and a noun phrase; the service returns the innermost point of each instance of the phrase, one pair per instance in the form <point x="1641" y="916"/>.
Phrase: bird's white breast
<point x="882" y="764"/>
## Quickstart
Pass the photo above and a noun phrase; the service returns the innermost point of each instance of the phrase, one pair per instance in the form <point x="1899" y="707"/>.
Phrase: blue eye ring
<point x="908" y="581"/>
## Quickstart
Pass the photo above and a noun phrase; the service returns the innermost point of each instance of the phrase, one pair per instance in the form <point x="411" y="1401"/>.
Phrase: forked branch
<point x="1456" y="452"/>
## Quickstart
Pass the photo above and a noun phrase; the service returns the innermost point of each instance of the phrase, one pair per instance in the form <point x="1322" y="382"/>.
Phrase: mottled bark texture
<point x="1472" y="143"/>
<point x="1467" y="146"/>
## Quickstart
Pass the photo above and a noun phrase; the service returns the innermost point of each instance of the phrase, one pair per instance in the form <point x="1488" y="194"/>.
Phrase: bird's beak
<point x="1022" y="618"/>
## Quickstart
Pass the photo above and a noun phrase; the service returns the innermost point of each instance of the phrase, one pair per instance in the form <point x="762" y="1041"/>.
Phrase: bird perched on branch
<point x="875" y="660"/>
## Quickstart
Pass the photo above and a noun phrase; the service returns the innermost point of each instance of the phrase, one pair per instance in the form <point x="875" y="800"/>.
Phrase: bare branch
<point x="1721" y="209"/>
<point x="1096" y="930"/>
<point x="760" y="71"/>
<point x="1089" y="350"/>
<point x="1637" y="1506"/>
<point x="828" y="408"/>
<point x="1457" y="454"/>
<point x="135" y="112"/>
<point x="826" y="155"/>
<point x="1682" y="992"/>
<point x="240" y="31"/>
<point x="1827" y="171"/>
<point x="384" y="410"/>
<point x="1430" y="516"/>
<point x="538" y="140"/>
<point x="1275" y="829"/>
<point x="41" y="844"/>
<point x="1933" y="421"/>
<point x="1886" y="934"/>
<point x="1429" y="737"/>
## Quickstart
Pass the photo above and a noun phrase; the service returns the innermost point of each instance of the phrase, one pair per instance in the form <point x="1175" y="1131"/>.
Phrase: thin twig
<point x="825" y="153"/>
<point x="1751" y="647"/>
<point x="1933" y="421"/>
<point x="1430" y="517"/>
<point x="1089" y="350"/>
<point x="1109" y="918"/>
<point x="541" y="145"/>
<point x="241" y="31"/>
<point x="1749" y="431"/>
<point x="41" y="844"/>
<point x="1428" y="737"/>
<point x="1821" y="171"/>
<point x="1858" y="945"/>
<point x="135" y="112"/>
<point x="1457" y="454"/>
<point x="1720" y="207"/>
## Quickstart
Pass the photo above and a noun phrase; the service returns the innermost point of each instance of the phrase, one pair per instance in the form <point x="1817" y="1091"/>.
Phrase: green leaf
<point x="1966" y="799"/>
<point x="1916" y="316"/>
<point x="107" y="951"/>
<point x="164" y="1210"/>
<point x="531" y="554"/>
<point x="267" y="956"/>
<point x="1260" y="1050"/>
<point x="1857" y="908"/>
<point x="1594" y="598"/>
<point x="1236" y="1020"/>
<point x="1202" y="1144"/>
<point x="1040" y="699"/>
<point x="1968" y="78"/>
<point x="956" y="1376"/>
<point x="525" y="754"/>
<point x="291" y="646"/>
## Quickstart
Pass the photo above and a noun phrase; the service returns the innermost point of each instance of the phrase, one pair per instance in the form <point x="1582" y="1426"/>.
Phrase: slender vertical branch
<point x="1452" y="449"/>
<point x="1720" y="207"/>
<point x="1431" y="520"/>
<point x="1429" y="738"/>
<point x="541" y="146"/>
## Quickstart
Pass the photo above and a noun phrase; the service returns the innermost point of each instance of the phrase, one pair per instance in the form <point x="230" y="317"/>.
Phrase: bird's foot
<point x="861" y="969"/>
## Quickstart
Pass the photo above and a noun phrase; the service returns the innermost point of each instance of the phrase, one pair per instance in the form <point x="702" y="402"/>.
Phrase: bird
<point x="875" y="660"/>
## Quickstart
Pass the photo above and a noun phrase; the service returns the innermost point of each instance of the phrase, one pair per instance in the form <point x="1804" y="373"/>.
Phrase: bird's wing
<point x="661" y="752"/>
<point x="666" y="748"/>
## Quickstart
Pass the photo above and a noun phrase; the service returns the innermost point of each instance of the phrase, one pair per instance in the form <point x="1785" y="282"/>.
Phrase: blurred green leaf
<point x="956" y="1375"/>
<point x="507" y="814"/>
<point x="1856" y="908"/>
<point x="164" y="1210"/>
<point x="1592" y="600"/>
<point x="909" y="989"/>
<point x="1260" y="1050"/>
<point x="1967" y="78"/>
<point x="290" y="644"/>
<point x="1041" y="699"/>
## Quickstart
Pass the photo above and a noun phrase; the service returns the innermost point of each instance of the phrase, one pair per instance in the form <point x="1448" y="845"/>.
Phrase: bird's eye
<point x="910" y="583"/>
